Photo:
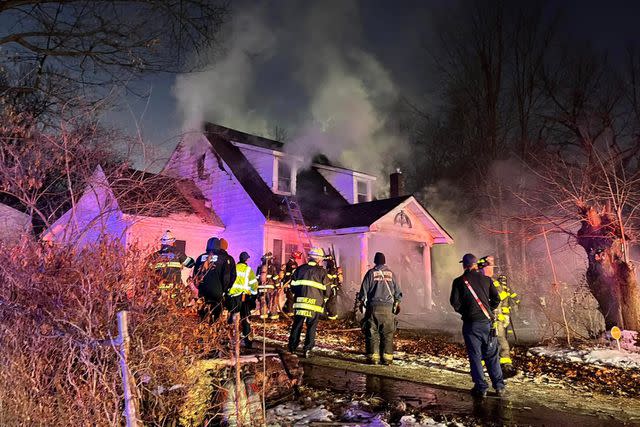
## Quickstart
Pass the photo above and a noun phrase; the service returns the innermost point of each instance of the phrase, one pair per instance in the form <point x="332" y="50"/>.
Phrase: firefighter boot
<point x="373" y="359"/>
<point x="387" y="359"/>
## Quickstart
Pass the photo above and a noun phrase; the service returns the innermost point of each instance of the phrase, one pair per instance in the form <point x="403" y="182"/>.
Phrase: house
<point x="137" y="207"/>
<point x="250" y="180"/>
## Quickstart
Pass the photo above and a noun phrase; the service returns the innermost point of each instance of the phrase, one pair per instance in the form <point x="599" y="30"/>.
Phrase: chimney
<point x="396" y="184"/>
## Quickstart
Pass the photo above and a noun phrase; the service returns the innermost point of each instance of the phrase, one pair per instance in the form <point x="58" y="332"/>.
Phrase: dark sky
<point x="391" y="32"/>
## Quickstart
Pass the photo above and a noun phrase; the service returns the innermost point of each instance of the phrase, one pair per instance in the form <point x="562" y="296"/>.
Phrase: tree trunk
<point x="611" y="280"/>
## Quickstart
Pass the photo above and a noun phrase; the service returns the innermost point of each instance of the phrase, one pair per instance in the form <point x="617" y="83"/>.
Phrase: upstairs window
<point x="363" y="191"/>
<point x="284" y="177"/>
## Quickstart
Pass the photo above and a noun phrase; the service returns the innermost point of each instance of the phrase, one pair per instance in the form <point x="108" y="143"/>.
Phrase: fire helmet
<point x="316" y="253"/>
<point x="296" y="255"/>
<point x="468" y="260"/>
<point x="486" y="261"/>
<point x="244" y="256"/>
<point x="168" y="238"/>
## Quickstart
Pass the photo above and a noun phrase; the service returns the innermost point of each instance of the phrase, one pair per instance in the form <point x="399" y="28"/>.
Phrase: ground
<point x="431" y="375"/>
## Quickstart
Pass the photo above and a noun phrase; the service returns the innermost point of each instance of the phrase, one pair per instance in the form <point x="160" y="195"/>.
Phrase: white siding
<point x="243" y="221"/>
<point x="343" y="182"/>
<point x="13" y="224"/>
<point x="264" y="164"/>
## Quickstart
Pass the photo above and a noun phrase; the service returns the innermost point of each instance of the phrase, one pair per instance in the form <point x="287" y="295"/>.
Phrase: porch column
<point x="426" y="268"/>
<point x="364" y="254"/>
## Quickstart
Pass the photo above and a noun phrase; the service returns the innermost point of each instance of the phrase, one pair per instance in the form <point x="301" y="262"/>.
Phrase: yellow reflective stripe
<point x="513" y="295"/>
<point x="506" y="310"/>
<point x="306" y="300"/>
<point x="503" y="295"/>
<point x="501" y="317"/>
<point x="505" y="360"/>
<point x="172" y="264"/>
<point x="266" y="287"/>
<point x="252" y="281"/>
<point x="496" y="283"/>
<point x="311" y="283"/>
<point x="305" y="306"/>
<point x="305" y="313"/>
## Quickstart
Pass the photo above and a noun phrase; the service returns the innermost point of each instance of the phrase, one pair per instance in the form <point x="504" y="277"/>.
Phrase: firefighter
<point x="508" y="299"/>
<point x="379" y="299"/>
<point x="334" y="273"/>
<point x="242" y="296"/>
<point x="268" y="287"/>
<point x="474" y="297"/>
<point x="213" y="274"/>
<point x="168" y="263"/>
<point x="310" y="286"/>
<point x="289" y="268"/>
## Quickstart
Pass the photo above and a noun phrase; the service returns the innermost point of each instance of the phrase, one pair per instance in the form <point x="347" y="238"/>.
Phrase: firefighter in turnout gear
<point x="289" y="268"/>
<point x="168" y="263"/>
<point x="379" y="299"/>
<point x="508" y="300"/>
<point x="242" y="296"/>
<point x="334" y="273"/>
<point x="268" y="287"/>
<point x="310" y="286"/>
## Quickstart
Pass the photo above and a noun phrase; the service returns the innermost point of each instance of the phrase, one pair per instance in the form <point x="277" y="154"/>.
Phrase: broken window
<point x="200" y="166"/>
<point x="284" y="176"/>
<point x="363" y="191"/>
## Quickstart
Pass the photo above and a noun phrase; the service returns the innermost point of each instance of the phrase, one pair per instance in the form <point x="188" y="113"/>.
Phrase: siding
<point x="242" y="220"/>
<point x="343" y="182"/>
<point x="262" y="162"/>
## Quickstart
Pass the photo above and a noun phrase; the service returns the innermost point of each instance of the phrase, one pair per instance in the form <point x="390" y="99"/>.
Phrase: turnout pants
<point x="296" y="330"/>
<point x="481" y="346"/>
<point x="379" y="326"/>
<point x="501" y="329"/>
<point x="243" y="309"/>
<point x="210" y="310"/>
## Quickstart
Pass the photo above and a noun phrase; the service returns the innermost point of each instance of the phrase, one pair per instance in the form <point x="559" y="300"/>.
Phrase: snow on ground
<point x="595" y="356"/>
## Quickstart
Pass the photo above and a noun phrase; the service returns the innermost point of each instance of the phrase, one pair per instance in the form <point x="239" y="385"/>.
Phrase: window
<point x="201" y="167"/>
<point x="277" y="251"/>
<point x="288" y="250"/>
<point x="284" y="176"/>
<point x="363" y="191"/>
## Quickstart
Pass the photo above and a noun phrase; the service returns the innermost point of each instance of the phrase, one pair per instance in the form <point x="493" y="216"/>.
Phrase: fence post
<point x="130" y="412"/>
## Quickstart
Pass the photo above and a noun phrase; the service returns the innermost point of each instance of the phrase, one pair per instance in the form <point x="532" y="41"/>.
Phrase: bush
<point x="57" y="304"/>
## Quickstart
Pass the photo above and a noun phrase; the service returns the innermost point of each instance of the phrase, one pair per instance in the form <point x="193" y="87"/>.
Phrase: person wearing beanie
<point x="213" y="274"/>
<point x="242" y="296"/>
<point x="475" y="298"/>
<point x="379" y="300"/>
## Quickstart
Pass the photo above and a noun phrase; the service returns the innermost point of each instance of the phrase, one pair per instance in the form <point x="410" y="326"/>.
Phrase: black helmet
<point x="244" y="256"/>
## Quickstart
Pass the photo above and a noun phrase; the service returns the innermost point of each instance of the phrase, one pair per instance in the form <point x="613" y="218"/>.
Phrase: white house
<point x="138" y="207"/>
<point x="246" y="178"/>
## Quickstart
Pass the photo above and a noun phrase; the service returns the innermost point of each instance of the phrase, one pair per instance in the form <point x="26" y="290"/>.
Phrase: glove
<point x="396" y="308"/>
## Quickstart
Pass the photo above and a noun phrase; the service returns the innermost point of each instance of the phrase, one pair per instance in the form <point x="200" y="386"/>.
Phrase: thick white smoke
<point x="301" y="67"/>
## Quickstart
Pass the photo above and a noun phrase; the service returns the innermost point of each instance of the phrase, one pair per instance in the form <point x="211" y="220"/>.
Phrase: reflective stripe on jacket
<point x="309" y="284"/>
<point x="246" y="282"/>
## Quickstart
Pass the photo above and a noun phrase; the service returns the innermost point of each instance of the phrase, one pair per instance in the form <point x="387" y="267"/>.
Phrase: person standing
<point x="268" y="287"/>
<point x="310" y="287"/>
<point x="213" y="275"/>
<point x="242" y="296"/>
<point x="474" y="297"/>
<point x="379" y="298"/>
<point x="168" y="263"/>
<point x="291" y="265"/>
<point x="486" y="265"/>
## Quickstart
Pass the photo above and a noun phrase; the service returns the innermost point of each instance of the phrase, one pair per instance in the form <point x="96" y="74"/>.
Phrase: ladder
<point x="298" y="225"/>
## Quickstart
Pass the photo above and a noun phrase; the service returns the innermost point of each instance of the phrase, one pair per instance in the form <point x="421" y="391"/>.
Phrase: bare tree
<point x="64" y="49"/>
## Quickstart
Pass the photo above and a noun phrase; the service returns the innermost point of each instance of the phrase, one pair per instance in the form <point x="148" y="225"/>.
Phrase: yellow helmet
<point x="316" y="253"/>
<point x="167" y="238"/>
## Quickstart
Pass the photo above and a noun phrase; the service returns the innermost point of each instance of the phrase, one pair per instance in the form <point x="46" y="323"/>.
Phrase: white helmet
<point x="316" y="253"/>
<point x="167" y="238"/>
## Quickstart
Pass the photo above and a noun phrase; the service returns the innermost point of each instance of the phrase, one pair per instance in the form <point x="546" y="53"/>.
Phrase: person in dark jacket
<point x="291" y="265"/>
<point x="213" y="275"/>
<point x="168" y="263"/>
<point x="477" y="324"/>
<point x="310" y="287"/>
<point x="379" y="298"/>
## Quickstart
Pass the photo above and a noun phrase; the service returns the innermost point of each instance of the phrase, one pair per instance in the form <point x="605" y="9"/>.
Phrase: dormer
<point x="277" y="169"/>
<point x="355" y="187"/>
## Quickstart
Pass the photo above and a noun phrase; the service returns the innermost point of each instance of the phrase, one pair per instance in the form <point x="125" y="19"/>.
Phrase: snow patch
<point x="292" y="413"/>
<point x="595" y="356"/>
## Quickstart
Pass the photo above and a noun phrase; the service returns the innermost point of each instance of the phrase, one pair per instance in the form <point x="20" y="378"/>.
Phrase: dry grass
<point x="56" y="304"/>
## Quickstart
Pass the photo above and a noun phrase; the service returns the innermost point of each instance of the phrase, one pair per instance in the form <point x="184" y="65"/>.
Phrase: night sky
<point x="394" y="33"/>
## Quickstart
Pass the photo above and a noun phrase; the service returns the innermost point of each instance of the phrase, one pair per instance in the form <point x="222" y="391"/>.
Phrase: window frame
<point x="367" y="195"/>
<point x="276" y="175"/>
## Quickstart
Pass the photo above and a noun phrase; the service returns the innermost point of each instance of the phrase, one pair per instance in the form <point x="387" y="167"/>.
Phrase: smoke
<point x="302" y="68"/>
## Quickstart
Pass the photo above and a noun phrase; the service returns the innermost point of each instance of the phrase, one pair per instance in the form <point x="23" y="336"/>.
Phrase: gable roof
<point x="153" y="195"/>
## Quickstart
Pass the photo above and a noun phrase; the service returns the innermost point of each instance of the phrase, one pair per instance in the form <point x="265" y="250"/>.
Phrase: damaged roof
<point x="154" y="195"/>
<point x="359" y="214"/>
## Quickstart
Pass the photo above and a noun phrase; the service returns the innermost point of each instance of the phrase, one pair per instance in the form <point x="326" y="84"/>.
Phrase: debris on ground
<point x="593" y="356"/>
